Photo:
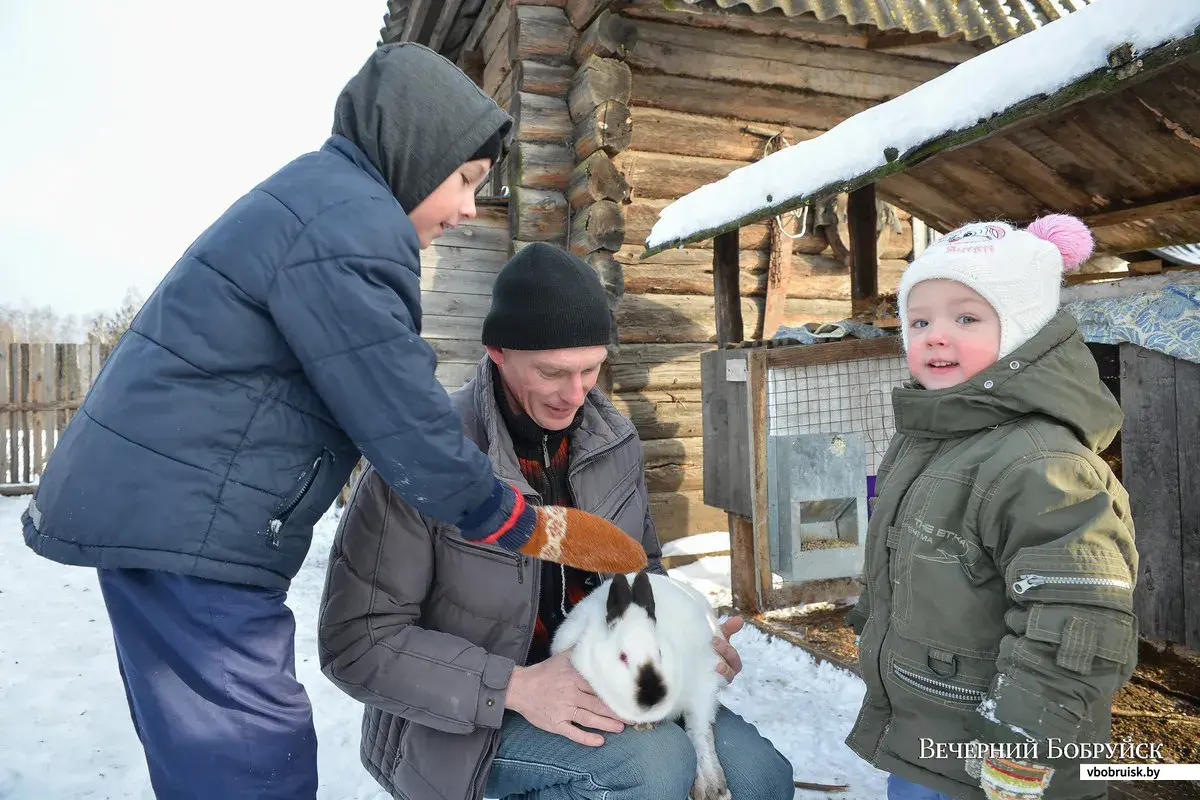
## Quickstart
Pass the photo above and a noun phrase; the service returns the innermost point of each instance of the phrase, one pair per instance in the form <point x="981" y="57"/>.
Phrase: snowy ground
<point x="65" y="732"/>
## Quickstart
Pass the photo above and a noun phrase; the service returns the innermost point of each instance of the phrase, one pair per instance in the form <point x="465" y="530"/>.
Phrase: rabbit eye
<point x="624" y="658"/>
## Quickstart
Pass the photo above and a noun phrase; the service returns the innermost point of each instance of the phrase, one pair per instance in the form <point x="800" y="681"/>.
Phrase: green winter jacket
<point x="999" y="572"/>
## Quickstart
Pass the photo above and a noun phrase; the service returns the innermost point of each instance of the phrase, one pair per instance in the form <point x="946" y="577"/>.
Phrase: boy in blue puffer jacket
<point x="281" y="346"/>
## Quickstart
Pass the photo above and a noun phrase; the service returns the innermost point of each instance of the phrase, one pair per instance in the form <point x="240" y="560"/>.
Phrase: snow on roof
<point x="1039" y="63"/>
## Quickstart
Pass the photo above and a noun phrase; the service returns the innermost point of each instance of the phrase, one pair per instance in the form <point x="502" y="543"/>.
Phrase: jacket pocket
<point x="304" y="484"/>
<point x="939" y="680"/>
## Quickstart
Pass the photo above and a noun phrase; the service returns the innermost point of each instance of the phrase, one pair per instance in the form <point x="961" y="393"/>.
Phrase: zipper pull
<point x="1028" y="582"/>
<point x="546" y="451"/>
<point x="520" y="569"/>
<point x="273" y="528"/>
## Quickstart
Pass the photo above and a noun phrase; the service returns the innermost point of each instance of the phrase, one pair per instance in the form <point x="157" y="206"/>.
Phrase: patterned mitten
<point x="1010" y="779"/>
<point x="565" y="536"/>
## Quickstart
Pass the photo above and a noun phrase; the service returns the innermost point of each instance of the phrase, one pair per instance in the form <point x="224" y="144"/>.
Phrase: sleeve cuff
<point x="493" y="685"/>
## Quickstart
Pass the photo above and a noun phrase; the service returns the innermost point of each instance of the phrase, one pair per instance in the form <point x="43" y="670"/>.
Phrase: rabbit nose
<point x="651" y="689"/>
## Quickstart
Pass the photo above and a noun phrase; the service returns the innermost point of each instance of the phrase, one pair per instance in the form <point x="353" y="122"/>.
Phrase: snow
<point x="1039" y="62"/>
<point x="66" y="731"/>
<point x="698" y="544"/>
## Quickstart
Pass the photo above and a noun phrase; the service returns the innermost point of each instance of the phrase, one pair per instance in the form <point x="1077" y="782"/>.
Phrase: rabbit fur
<point x="646" y="649"/>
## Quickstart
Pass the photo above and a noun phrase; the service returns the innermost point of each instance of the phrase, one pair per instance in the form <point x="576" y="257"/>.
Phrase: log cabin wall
<point x="707" y="91"/>
<point x="622" y="107"/>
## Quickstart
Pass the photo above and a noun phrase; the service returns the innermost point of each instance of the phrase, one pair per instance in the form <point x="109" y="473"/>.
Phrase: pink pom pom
<point x="1069" y="234"/>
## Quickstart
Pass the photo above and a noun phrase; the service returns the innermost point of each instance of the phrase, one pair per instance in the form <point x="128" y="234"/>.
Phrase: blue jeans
<point x="209" y="674"/>
<point x="632" y="765"/>
<point x="900" y="789"/>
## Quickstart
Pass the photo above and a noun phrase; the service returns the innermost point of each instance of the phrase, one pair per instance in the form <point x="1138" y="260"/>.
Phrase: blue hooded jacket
<point x="284" y="343"/>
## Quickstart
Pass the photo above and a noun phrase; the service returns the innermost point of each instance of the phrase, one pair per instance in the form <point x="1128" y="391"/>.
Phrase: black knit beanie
<point x="546" y="298"/>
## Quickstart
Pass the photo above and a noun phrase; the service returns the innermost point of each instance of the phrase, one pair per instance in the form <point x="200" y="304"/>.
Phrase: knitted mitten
<point x="565" y="536"/>
<point x="1010" y="779"/>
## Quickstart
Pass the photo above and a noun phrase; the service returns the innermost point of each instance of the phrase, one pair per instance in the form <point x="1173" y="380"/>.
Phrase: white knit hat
<point x="1019" y="272"/>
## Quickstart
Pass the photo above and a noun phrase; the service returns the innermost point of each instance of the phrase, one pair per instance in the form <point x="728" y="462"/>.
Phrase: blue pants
<point x="209" y="674"/>
<point x="900" y="789"/>
<point x="633" y="765"/>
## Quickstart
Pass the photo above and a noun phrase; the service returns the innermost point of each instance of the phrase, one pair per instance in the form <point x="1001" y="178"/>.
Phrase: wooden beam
<point x="538" y="78"/>
<point x="726" y="290"/>
<point x="1123" y="286"/>
<point x="609" y="36"/>
<point x="597" y="80"/>
<point x="600" y="226"/>
<point x="445" y="20"/>
<point x="420" y="20"/>
<point x="778" y="270"/>
<point x="595" y="178"/>
<point x="741" y="565"/>
<point x="1186" y="202"/>
<point x="540" y="32"/>
<point x="887" y="40"/>
<point x="609" y="128"/>
<point x="480" y="26"/>
<point x="862" y="215"/>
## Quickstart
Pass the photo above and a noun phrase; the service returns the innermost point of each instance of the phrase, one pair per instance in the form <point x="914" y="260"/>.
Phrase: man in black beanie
<point x="408" y="603"/>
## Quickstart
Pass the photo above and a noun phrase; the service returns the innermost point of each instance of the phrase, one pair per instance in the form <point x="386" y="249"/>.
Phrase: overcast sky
<point x="127" y="126"/>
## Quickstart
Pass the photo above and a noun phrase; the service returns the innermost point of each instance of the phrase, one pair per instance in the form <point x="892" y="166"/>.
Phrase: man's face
<point x="549" y="385"/>
<point x="450" y="203"/>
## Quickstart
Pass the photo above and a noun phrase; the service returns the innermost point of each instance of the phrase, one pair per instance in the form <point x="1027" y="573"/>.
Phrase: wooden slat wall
<point x="457" y="273"/>
<point x="42" y="385"/>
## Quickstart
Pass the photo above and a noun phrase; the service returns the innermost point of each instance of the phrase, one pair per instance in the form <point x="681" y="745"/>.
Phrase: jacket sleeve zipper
<point x="1028" y="582"/>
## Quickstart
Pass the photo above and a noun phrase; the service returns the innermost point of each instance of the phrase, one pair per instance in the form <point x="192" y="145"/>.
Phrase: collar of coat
<point x="1053" y="375"/>
<point x="600" y="428"/>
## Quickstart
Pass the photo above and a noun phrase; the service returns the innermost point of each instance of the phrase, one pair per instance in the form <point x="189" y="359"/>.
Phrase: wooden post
<point x="864" y="260"/>
<point x="726" y="291"/>
<point x="742" y="569"/>
<point x="777" y="277"/>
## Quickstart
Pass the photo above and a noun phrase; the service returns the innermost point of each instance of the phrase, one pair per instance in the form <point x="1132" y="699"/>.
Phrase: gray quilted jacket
<point x="424" y="628"/>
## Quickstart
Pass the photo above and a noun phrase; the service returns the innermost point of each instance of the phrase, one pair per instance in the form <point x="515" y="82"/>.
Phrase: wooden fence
<point x="41" y="388"/>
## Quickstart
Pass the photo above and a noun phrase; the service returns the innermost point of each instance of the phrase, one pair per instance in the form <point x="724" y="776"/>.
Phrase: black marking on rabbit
<point x="650" y="687"/>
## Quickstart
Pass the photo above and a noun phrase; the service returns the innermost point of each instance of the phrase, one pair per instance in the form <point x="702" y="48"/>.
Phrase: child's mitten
<point x="1011" y="779"/>
<point x="564" y="536"/>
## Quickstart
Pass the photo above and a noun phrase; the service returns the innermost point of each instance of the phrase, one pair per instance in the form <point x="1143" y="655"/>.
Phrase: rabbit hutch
<point x="623" y="106"/>
<point x="1117" y="143"/>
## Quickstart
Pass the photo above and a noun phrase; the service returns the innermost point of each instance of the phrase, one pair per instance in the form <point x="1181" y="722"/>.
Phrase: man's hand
<point x="556" y="698"/>
<point x="731" y="663"/>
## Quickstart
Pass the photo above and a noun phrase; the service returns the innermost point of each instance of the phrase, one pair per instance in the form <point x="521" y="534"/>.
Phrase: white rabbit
<point x="647" y="652"/>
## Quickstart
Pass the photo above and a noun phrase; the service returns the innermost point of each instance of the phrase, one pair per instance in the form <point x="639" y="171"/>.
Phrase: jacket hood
<point x="417" y="117"/>
<point x="1053" y="374"/>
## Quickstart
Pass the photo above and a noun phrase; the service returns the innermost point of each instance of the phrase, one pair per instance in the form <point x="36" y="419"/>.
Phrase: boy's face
<point x="450" y="203"/>
<point x="953" y="333"/>
<point x="549" y="385"/>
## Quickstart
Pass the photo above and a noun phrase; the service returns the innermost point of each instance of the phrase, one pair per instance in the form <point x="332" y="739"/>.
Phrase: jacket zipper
<point x="949" y="691"/>
<point x="1028" y="582"/>
<point x="276" y="523"/>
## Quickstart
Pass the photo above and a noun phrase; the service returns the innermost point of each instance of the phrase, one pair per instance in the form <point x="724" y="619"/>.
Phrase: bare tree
<point x="29" y="323"/>
<point x="107" y="327"/>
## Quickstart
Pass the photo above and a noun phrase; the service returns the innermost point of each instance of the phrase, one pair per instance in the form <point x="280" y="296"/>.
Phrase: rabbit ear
<point x="619" y="597"/>
<point x="643" y="594"/>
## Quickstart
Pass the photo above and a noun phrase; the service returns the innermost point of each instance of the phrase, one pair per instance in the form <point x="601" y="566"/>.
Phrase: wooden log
<point x="723" y="98"/>
<point x="742" y="565"/>
<point x="608" y="36"/>
<point x="656" y="130"/>
<point x="662" y="415"/>
<point x="455" y="303"/>
<point x="668" y="376"/>
<point x="726" y="291"/>
<point x="597" y="80"/>
<point x="543" y="165"/>
<point x="539" y="78"/>
<point x="460" y="350"/>
<point x="538" y="215"/>
<point x="540" y="32"/>
<point x="692" y="318"/>
<point x="595" y="178"/>
<point x="808" y="276"/>
<point x="674" y="477"/>
<point x="497" y="33"/>
<point x="582" y="12"/>
<point x="640" y="216"/>
<point x="834" y="70"/>
<point x="482" y="24"/>
<point x="680" y="514"/>
<point x="692" y="63"/>
<point x="453" y="375"/>
<point x="446" y="17"/>
<point x="541" y="119"/>
<point x="457" y="280"/>
<point x="655" y="176"/>
<point x="608" y="128"/>
<point x="504" y="94"/>
<point x="661" y="452"/>
<point x="472" y="63"/>
<point x="600" y="226"/>
<point x="803" y="28"/>
<point x="611" y="274"/>
<point x="495" y="72"/>
<point x="862" y="215"/>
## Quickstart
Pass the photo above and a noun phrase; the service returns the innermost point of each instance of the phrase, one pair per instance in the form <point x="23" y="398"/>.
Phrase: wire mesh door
<point x="826" y="426"/>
